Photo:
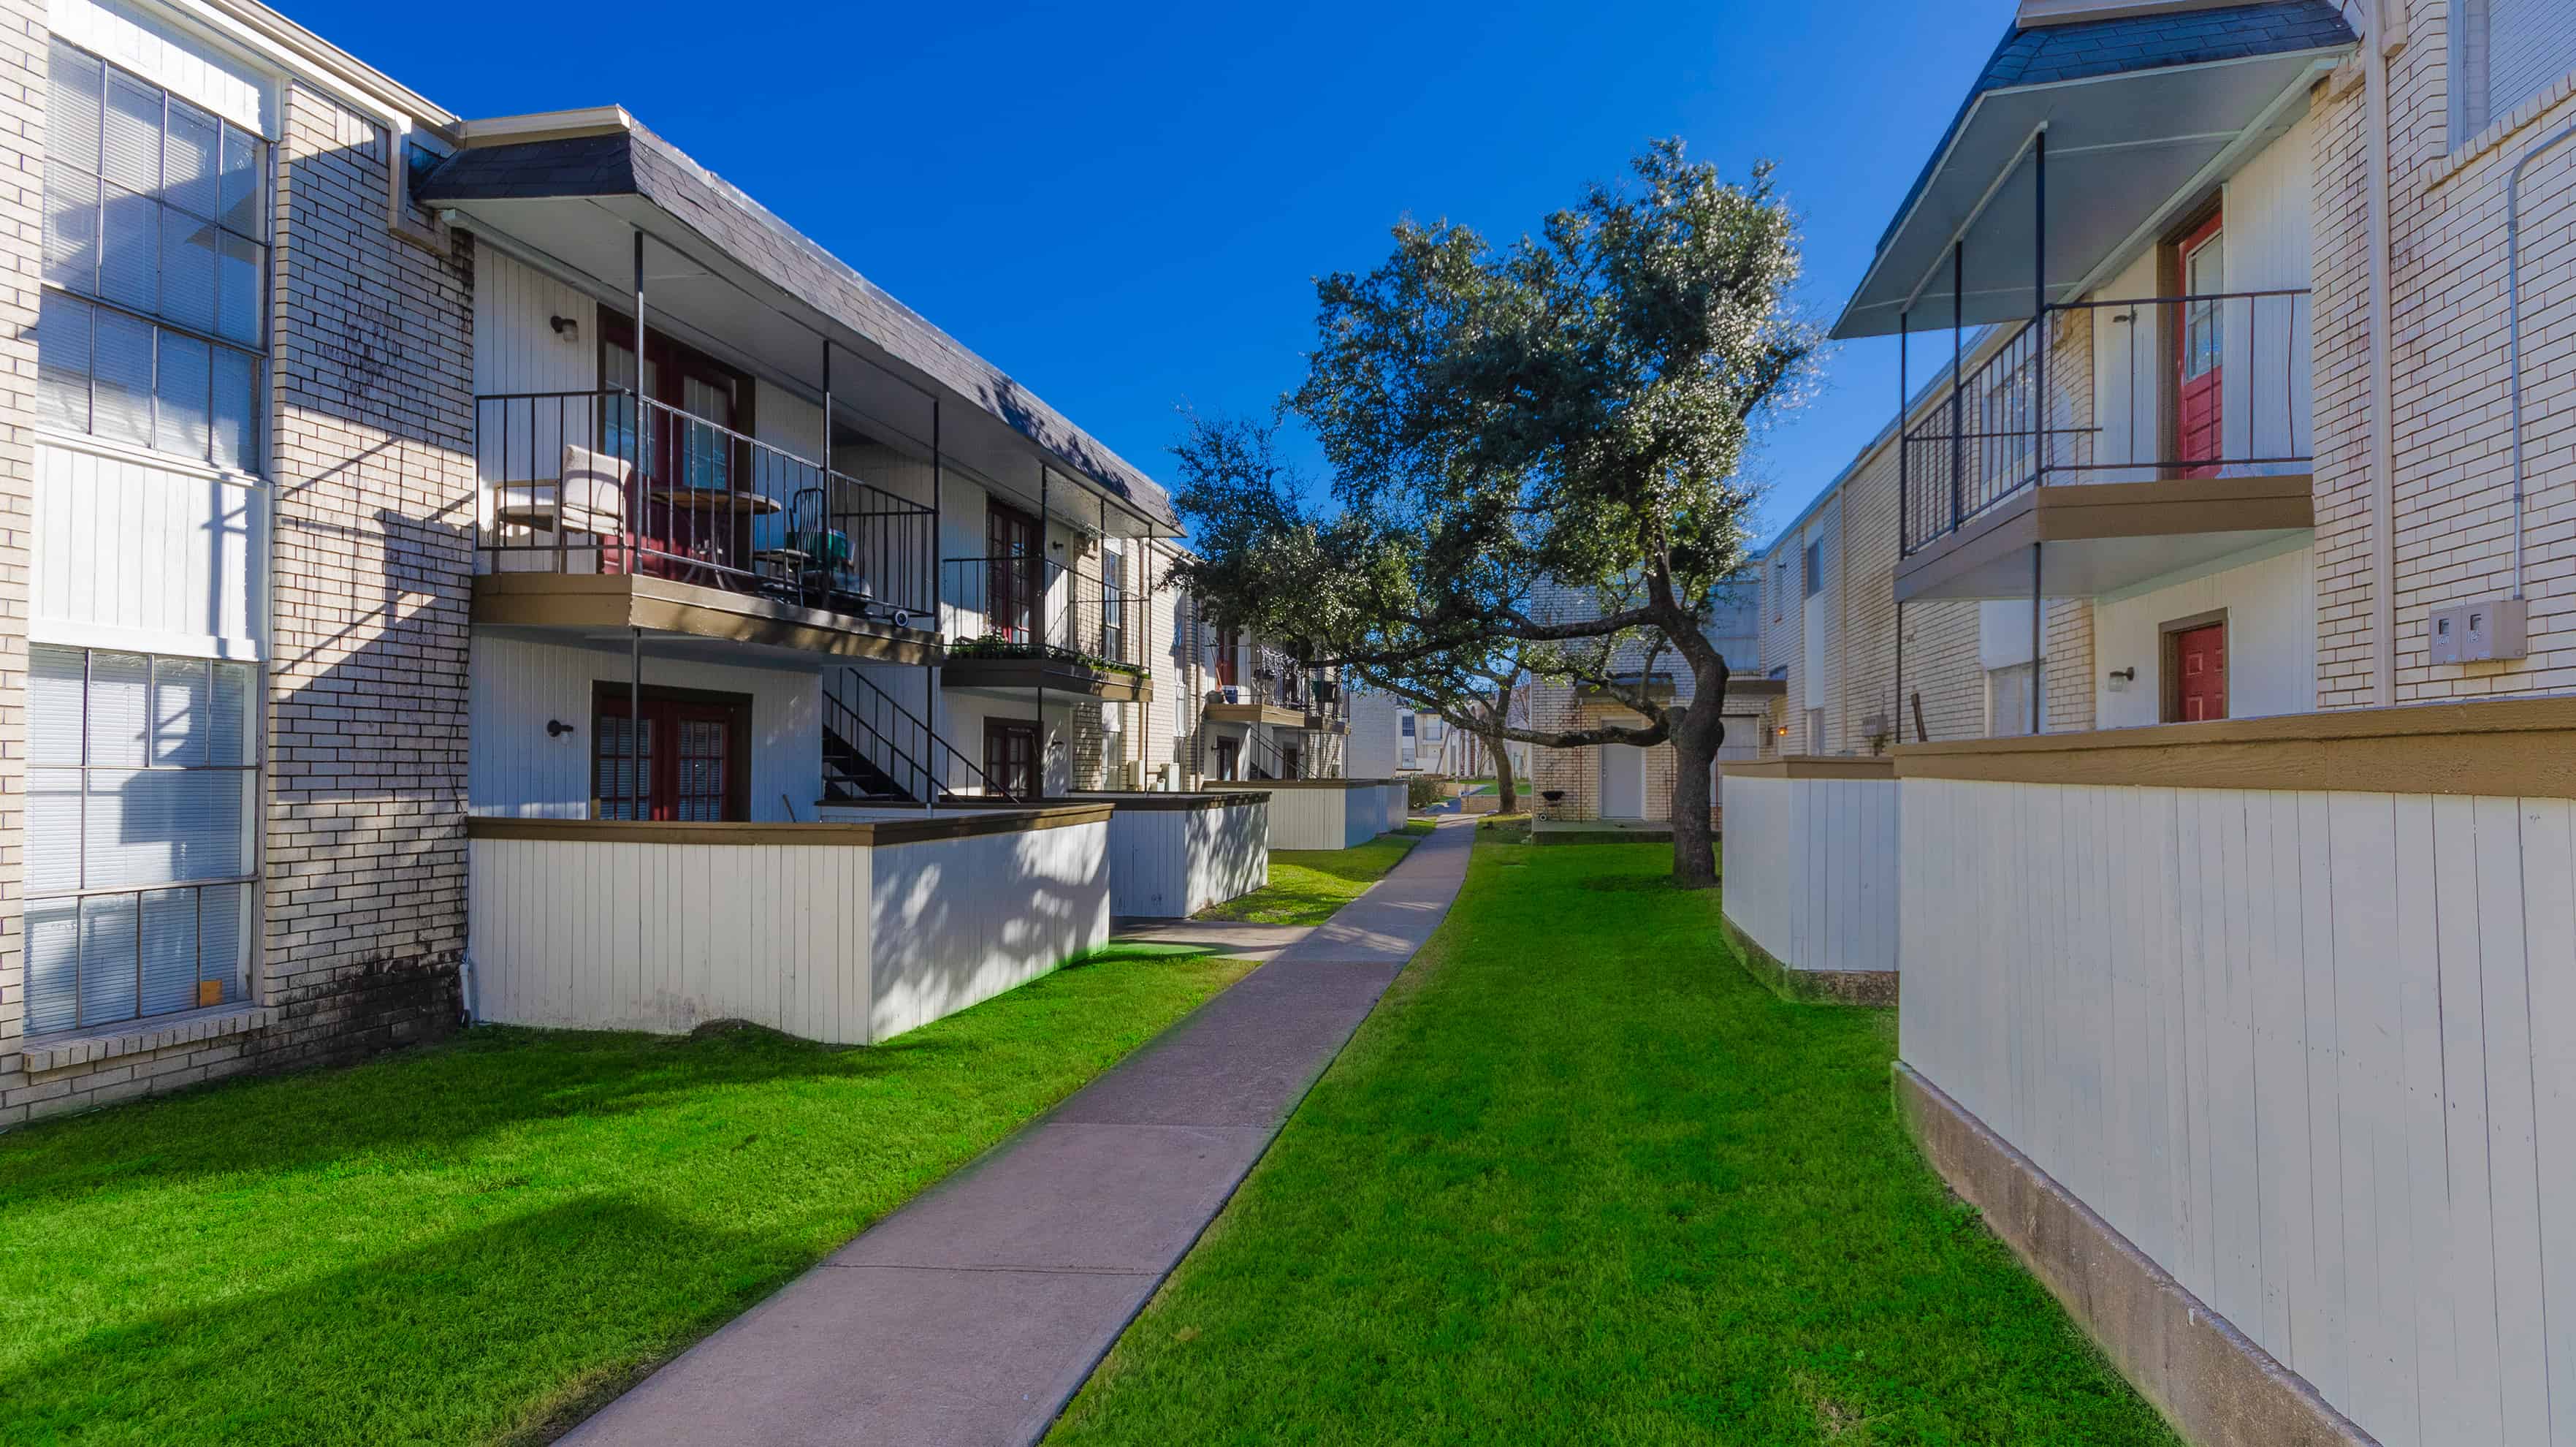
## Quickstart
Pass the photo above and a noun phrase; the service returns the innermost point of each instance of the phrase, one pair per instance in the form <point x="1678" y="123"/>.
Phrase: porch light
<point x="556" y="728"/>
<point x="566" y="328"/>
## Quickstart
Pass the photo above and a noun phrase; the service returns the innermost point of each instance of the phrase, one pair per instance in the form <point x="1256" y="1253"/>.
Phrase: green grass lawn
<point x="1307" y="885"/>
<point x="478" y="1241"/>
<point x="1579" y="1179"/>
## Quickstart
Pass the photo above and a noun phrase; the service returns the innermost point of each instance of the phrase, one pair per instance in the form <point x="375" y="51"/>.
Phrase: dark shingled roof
<point x="638" y="163"/>
<point x="2085" y="50"/>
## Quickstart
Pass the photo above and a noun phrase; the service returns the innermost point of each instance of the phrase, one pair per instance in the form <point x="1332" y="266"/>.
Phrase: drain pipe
<point x="2513" y="323"/>
<point x="2383" y="451"/>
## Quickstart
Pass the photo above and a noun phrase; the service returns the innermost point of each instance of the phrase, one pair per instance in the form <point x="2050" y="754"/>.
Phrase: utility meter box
<point x="2479" y="632"/>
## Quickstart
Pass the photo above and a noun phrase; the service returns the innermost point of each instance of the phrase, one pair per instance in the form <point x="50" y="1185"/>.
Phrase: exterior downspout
<point x="2383" y="454"/>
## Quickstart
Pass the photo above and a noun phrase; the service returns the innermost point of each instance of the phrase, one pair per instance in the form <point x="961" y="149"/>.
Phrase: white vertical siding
<point x="2313" y="1052"/>
<point x="2270" y="595"/>
<point x="141" y="556"/>
<point x="956" y="921"/>
<point x="170" y="56"/>
<point x="2266" y="407"/>
<point x="514" y="770"/>
<point x="1323" y="818"/>
<point x="2128" y="369"/>
<point x="1165" y="863"/>
<point x="516" y="347"/>
<point x="787" y="422"/>
<point x="666" y="937"/>
<point x="1811" y="869"/>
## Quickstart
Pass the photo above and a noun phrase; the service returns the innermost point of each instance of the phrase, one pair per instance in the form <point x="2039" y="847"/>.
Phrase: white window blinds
<point x="140" y="803"/>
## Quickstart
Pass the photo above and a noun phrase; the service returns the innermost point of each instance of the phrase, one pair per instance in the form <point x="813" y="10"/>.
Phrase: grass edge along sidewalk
<point x="1579" y="1178"/>
<point x="477" y="1241"/>
<point x="1307" y="886"/>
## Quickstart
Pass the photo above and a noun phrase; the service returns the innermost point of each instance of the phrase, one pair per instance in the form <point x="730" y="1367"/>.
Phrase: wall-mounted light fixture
<point x="556" y="728"/>
<point x="566" y="328"/>
<point x="2121" y="678"/>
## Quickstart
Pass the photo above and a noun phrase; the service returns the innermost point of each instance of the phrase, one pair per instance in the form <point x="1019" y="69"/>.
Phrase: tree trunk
<point x="1696" y="739"/>
<point x="1506" y="787"/>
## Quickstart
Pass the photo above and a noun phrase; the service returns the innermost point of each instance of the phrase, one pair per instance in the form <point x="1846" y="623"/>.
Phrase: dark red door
<point x="1012" y="563"/>
<point x="687" y="753"/>
<point x="1011" y="757"/>
<point x="2199" y="410"/>
<point x="1228" y="644"/>
<point x="2200" y="673"/>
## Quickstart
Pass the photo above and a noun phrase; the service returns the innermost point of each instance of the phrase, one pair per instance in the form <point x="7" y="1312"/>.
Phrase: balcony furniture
<point x="588" y="495"/>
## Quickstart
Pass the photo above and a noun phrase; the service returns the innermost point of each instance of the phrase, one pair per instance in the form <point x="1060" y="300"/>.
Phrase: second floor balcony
<point x="2133" y="437"/>
<point x="597" y="508"/>
<point x="1026" y="622"/>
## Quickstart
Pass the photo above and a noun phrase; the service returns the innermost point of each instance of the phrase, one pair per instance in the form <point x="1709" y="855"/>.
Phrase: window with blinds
<point x="141" y="778"/>
<point x="2504" y="52"/>
<point x="156" y="267"/>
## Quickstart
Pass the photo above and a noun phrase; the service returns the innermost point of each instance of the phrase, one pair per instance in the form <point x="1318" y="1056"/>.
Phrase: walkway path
<point x="971" y="1315"/>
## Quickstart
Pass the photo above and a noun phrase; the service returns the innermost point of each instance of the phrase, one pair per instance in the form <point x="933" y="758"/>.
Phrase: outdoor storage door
<point x="1623" y="781"/>
<point x="2200" y="673"/>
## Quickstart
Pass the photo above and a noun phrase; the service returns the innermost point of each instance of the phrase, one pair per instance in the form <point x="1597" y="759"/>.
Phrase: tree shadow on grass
<point x="509" y="1330"/>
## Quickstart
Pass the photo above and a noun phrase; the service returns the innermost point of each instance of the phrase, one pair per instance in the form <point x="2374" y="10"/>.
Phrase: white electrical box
<point x="2478" y="632"/>
<point x="2442" y="635"/>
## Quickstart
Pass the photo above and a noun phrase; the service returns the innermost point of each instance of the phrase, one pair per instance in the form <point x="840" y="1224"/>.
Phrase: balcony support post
<point x="1038" y="785"/>
<point x="939" y="604"/>
<point x="1904" y="485"/>
<point x="635" y="722"/>
<point x="2039" y="307"/>
<point x="1958" y="361"/>
<point x="2038" y="664"/>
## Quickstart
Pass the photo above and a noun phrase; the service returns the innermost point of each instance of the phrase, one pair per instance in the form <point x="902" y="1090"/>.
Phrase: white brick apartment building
<point x="2233" y="926"/>
<point x="409" y="512"/>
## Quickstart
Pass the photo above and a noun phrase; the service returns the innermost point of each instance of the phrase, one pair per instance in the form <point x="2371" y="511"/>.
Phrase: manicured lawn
<point x="1307" y="885"/>
<point x="1580" y="1180"/>
<point x="474" y="1242"/>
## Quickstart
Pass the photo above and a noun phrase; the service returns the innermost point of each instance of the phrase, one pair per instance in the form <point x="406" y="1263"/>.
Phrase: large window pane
<point x="239" y="288"/>
<point x="118" y="709"/>
<point x="236" y="416"/>
<point x="133" y="133"/>
<point x="182" y="712"/>
<point x="63" y="363"/>
<point x="189" y="161"/>
<point x="169" y="950"/>
<point x="74" y="96"/>
<point x="122" y="399"/>
<point x="53" y="965"/>
<point x="228" y="725"/>
<point x="71" y="228"/>
<point x="54" y="708"/>
<point x="107" y="958"/>
<point x="245" y="184"/>
<point x="129" y="259"/>
<point x="223" y="938"/>
<point x="53" y="830"/>
<point x="191" y="250"/>
<point x="162" y="826"/>
<point x="182" y="426"/>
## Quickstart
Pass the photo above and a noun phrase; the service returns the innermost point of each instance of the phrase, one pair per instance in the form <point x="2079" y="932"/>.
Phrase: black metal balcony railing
<point x="2115" y="391"/>
<point x="572" y="484"/>
<point x="1028" y="607"/>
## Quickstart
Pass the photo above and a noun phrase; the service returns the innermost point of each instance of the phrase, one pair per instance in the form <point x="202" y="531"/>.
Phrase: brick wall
<point x="370" y="461"/>
<point x="22" y="122"/>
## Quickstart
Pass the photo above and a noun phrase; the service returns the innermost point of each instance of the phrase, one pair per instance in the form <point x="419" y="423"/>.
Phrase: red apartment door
<point x="1227" y="645"/>
<point x="2200" y="673"/>
<point x="2198" y="413"/>
<point x="690" y="755"/>
<point x="1012" y="563"/>
<point x="1011" y="757"/>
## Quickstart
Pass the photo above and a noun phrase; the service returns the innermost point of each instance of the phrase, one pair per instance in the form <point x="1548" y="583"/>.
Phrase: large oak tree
<point x="1536" y="455"/>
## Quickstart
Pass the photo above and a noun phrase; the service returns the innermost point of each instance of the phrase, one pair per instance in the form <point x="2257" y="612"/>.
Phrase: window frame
<point x="251" y="462"/>
<point x="253" y="772"/>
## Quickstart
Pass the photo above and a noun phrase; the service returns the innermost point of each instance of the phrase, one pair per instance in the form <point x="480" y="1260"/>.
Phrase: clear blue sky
<point x="1123" y="206"/>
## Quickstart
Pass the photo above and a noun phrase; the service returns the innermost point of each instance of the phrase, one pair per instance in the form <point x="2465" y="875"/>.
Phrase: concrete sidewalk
<point x="1235" y="939"/>
<point x="971" y="1315"/>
